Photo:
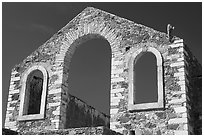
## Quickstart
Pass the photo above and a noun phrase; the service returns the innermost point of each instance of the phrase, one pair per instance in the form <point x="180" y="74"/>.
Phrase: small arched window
<point x="145" y="80"/>
<point x="33" y="94"/>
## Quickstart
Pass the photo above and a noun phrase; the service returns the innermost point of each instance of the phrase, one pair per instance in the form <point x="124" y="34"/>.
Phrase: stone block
<point x="12" y="87"/>
<point x="185" y="127"/>
<point x="181" y="69"/>
<point x="177" y="120"/>
<point x="14" y="91"/>
<point x="57" y="98"/>
<point x="184" y="115"/>
<point x="138" y="131"/>
<point x="15" y="78"/>
<point x="183" y="87"/>
<point x="9" y="99"/>
<point x="177" y="101"/>
<point x="179" y="74"/>
<point x="180" y="59"/>
<point x="55" y="120"/>
<point x="117" y="62"/>
<point x="178" y="41"/>
<point x="177" y="64"/>
<point x="54" y="104"/>
<point x="112" y="95"/>
<point x="56" y="112"/>
<point x="119" y="95"/>
<point x="180" y="109"/>
<point x="117" y="71"/>
<point x="181" y="132"/>
<point x="181" y="82"/>
<point x="181" y="78"/>
<point x="179" y="92"/>
<point x="54" y="91"/>
<point x="174" y="56"/>
<point x="117" y="79"/>
<point x="172" y="126"/>
<point x="181" y="49"/>
<point x="117" y="90"/>
<point x="10" y="108"/>
<point x="10" y="124"/>
<point x="175" y="45"/>
<point x="116" y="98"/>
<point x="14" y="72"/>
<point x="114" y="103"/>
<point x="114" y="111"/>
<point x="183" y="95"/>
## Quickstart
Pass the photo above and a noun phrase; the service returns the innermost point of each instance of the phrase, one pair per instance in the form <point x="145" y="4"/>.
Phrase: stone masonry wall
<point x="12" y="113"/>
<point x="170" y="120"/>
<point x="193" y="74"/>
<point x="79" y="114"/>
<point x="88" y="115"/>
<point x="75" y="131"/>
<point x="125" y="37"/>
<point x="71" y="131"/>
<point x="121" y="35"/>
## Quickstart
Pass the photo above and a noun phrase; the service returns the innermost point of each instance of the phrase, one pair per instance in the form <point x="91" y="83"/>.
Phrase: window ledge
<point x="145" y="106"/>
<point x="31" y="117"/>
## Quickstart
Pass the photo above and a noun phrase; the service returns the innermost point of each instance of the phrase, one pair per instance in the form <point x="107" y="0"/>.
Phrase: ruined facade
<point x="178" y="108"/>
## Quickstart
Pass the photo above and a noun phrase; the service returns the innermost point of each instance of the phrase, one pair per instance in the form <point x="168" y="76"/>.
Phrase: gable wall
<point x="55" y="55"/>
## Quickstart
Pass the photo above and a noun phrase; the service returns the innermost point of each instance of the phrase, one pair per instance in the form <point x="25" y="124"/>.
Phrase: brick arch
<point x="73" y="39"/>
<point x="86" y="32"/>
<point x="91" y="30"/>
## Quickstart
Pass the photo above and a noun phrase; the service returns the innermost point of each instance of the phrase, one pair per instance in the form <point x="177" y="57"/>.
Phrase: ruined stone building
<point x="39" y="101"/>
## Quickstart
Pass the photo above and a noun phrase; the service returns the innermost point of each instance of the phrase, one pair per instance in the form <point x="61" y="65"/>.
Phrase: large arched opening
<point x="88" y="68"/>
<point x="90" y="74"/>
<point x="71" y="103"/>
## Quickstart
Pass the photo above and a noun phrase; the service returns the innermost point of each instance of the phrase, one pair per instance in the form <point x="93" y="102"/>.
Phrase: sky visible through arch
<point x="90" y="74"/>
<point x="26" y="26"/>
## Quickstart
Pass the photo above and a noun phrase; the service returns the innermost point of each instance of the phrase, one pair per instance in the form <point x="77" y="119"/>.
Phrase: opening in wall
<point x="34" y="86"/>
<point x="145" y="80"/>
<point x="33" y="94"/>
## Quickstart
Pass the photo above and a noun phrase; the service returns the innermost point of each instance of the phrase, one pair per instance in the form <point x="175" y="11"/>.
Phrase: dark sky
<point x="25" y="26"/>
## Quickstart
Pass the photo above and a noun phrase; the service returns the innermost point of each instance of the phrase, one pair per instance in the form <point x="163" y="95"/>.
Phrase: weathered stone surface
<point x="182" y="81"/>
<point x="177" y="120"/>
<point x="161" y="115"/>
<point x="172" y="126"/>
<point x="194" y="92"/>
<point x="79" y="114"/>
<point x="74" y="131"/>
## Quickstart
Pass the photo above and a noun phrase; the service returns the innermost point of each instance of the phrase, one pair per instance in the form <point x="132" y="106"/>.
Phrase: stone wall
<point x="79" y="114"/>
<point x="71" y="131"/>
<point x="172" y="119"/>
<point x="125" y="38"/>
<point x="53" y="103"/>
<point x="193" y="74"/>
<point x="76" y="109"/>
<point x="74" y="131"/>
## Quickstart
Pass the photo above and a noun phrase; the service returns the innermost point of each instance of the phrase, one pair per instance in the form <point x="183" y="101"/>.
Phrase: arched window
<point x="33" y="94"/>
<point x="145" y="80"/>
